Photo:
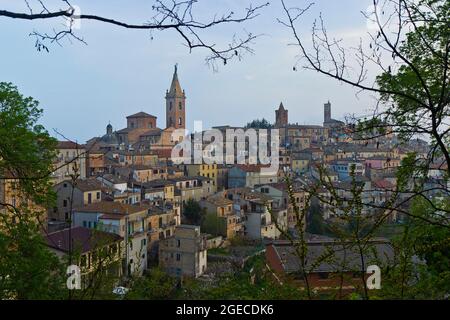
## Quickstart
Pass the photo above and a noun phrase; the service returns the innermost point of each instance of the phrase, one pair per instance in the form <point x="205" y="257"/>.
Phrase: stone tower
<point x="109" y="129"/>
<point x="327" y="112"/>
<point x="281" y="116"/>
<point x="175" y="104"/>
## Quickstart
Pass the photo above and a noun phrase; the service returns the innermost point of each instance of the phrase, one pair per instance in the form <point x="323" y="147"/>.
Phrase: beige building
<point x="71" y="159"/>
<point x="184" y="254"/>
<point x="224" y="221"/>
<point x="128" y="221"/>
<point x="85" y="192"/>
<point x="260" y="218"/>
<point x="204" y="170"/>
<point x="97" y="253"/>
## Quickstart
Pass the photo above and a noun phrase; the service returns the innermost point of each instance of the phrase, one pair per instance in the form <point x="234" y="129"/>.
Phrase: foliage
<point x="422" y="269"/>
<point x="254" y="282"/>
<point x="28" y="270"/>
<point x="156" y="285"/>
<point x="193" y="212"/>
<point x="259" y="124"/>
<point x="26" y="149"/>
<point x="214" y="225"/>
<point x="315" y="223"/>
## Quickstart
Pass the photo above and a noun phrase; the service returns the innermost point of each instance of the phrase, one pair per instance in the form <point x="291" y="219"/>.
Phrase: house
<point x="300" y="162"/>
<point x="328" y="262"/>
<point x="185" y="253"/>
<point x="222" y="177"/>
<point x="224" y="221"/>
<point x="195" y="188"/>
<point x="261" y="220"/>
<point x="70" y="160"/>
<point x="163" y="189"/>
<point x="204" y="170"/>
<point x="143" y="173"/>
<point x="345" y="168"/>
<point x="136" y="157"/>
<point x="97" y="161"/>
<point x="116" y="189"/>
<point x="84" y="192"/>
<point x="12" y="197"/>
<point x="247" y="176"/>
<point x="95" y="252"/>
<point x="281" y="199"/>
<point x="162" y="221"/>
<point x="114" y="182"/>
<point x="128" y="221"/>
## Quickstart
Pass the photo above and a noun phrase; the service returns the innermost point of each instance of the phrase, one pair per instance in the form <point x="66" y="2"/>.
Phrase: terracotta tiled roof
<point x="219" y="201"/>
<point x="252" y="167"/>
<point x="83" y="239"/>
<point x="383" y="184"/>
<point x="108" y="207"/>
<point x="88" y="185"/>
<point x="141" y="115"/>
<point x="69" y="145"/>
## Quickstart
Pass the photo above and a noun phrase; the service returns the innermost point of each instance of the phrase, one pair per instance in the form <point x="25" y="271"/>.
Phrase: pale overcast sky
<point x="120" y="72"/>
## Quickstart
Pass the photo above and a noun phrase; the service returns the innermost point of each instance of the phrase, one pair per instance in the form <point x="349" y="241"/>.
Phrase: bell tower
<point x="175" y="104"/>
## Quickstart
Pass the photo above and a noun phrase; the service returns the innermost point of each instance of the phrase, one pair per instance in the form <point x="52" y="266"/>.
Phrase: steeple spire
<point x="175" y="87"/>
<point x="175" y="104"/>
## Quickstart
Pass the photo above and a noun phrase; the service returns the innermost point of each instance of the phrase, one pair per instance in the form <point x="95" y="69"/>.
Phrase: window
<point x="65" y="203"/>
<point x="85" y="224"/>
<point x="180" y="121"/>
<point x="170" y="105"/>
<point x="98" y="195"/>
<point x="178" y="257"/>
<point x="323" y="275"/>
<point x="89" y="198"/>
<point x="178" y="243"/>
<point x="180" y="105"/>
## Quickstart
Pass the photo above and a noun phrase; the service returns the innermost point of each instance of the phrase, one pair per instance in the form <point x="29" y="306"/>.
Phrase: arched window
<point x="180" y="121"/>
<point x="180" y="105"/>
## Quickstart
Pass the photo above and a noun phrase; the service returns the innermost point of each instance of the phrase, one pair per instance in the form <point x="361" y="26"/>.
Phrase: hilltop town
<point x="196" y="220"/>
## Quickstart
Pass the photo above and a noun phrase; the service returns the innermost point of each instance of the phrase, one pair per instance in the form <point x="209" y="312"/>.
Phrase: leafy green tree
<point x="193" y="212"/>
<point x="156" y="285"/>
<point x="315" y="223"/>
<point x="422" y="268"/>
<point x="214" y="225"/>
<point x="28" y="270"/>
<point x="259" y="124"/>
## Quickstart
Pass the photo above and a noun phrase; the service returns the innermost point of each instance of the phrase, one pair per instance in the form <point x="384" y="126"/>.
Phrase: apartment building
<point x="185" y="253"/>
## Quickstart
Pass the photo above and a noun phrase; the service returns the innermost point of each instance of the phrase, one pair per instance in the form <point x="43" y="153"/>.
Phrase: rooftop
<point x="109" y="207"/>
<point x="332" y="256"/>
<point x="141" y="115"/>
<point x="83" y="239"/>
